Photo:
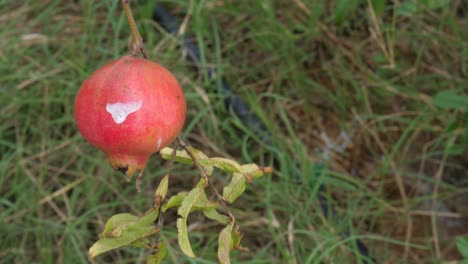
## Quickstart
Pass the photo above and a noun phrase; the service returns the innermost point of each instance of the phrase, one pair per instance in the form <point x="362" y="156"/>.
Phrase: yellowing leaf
<point x="235" y="188"/>
<point x="224" y="244"/>
<point x="182" y="237"/>
<point x="183" y="157"/>
<point x="189" y="201"/>
<point x="251" y="169"/>
<point x="141" y="243"/>
<point x="202" y="202"/>
<point x="161" y="191"/>
<point x="118" y="221"/>
<point x="226" y="165"/>
<point x="148" y="218"/>
<point x="124" y="229"/>
<point x="184" y="210"/>
<point x="127" y="237"/>
<point x="254" y="172"/>
<point x="214" y="215"/>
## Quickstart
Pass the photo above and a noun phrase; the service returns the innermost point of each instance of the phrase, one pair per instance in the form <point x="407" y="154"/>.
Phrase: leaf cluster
<point x="129" y="230"/>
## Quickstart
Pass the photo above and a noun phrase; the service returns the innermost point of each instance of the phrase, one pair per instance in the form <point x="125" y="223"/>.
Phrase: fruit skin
<point x="130" y="108"/>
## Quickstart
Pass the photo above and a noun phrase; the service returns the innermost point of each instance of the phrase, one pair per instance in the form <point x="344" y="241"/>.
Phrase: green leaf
<point x="252" y="170"/>
<point x="174" y="201"/>
<point x="189" y="201"/>
<point x="182" y="236"/>
<point x="127" y="237"/>
<point x="141" y="243"/>
<point x="161" y="191"/>
<point x="226" y="165"/>
<point x="255" y="172"/>
<point x="148" y="218"/>
<point x="159" y="255"/>
<point x="125" y="229"/>
<point x="117" y="222"/>
<point x="184" y="209"/>
<point x="449" y="99"/>
<point x="235" y="188"/>
<point x="203" y="159"/>
<point x="214" y="215"/>
<point x="183" y="157"/>
<point x="202" y="202"/>
<point x="201" y="184"/>
<point x="236" y="239"/>
<point x="462" y="245"/>
<point x="225" y="242"/>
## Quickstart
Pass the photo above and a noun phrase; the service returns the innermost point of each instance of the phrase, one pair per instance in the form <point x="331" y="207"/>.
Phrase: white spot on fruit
<point x="120" y="111"/>
<point x="159" y="143"/>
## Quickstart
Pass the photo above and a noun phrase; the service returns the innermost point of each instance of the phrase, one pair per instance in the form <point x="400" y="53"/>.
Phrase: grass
<point x="350" y="94"/>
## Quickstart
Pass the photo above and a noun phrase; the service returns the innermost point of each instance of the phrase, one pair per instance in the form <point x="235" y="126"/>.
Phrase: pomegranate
<point x="130" y="108"/>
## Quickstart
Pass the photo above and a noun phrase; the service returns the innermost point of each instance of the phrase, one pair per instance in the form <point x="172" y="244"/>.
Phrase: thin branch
<point x="137" y="40"/>
<point x="205" y="177"/>
<point x="138" y="180"/>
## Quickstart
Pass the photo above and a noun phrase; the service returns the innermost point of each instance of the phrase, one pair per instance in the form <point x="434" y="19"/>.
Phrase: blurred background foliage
<point x="365" y="102"/>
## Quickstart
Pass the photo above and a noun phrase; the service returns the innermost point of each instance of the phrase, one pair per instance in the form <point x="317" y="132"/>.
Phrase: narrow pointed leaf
<point x="189" y="201"/>
<point x="214" y="215"/>
<point x="184" y="210"/>
<point x="161" y="191"/>
<point x="127" y="237"/>
<point x="116" y="221"/>
<point x="235" y="188"/>
<point x="252" y="169"/>
<point x="148" y="218"/>
<point x="124" y="229"/>
<point x="226" y="165"/>
<point x="141" y="243"/>
<point x="174" y="201"/>
<point x="255" y="171"/>
<point x="201" y="183"/>
<point x="202" y="202"/>
<point x="224" y="244"/>
<point x="183" y="157"/>
<point x="203" y="159"/>
<point x="182" y="237"/>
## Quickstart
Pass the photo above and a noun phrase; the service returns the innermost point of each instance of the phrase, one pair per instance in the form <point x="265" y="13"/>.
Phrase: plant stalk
<point x="205" y="177"/>
<point x="137" y="40"/>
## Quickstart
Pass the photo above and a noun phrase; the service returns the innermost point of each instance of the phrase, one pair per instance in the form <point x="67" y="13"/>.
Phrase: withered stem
<point x="137" y="41"/>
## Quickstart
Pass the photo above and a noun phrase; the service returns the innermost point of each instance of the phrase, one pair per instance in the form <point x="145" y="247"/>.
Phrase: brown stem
<point x="137" y="41"/>
<point x="205" y="177"/>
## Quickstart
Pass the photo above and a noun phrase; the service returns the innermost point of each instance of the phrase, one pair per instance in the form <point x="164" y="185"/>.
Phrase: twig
<point x="137" y="41"/>
<point x="205" y="177"/>
<point x="138" y="180"/>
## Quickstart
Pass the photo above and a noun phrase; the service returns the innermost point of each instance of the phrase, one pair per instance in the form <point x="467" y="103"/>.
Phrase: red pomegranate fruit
<point x="130" y="108"/>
